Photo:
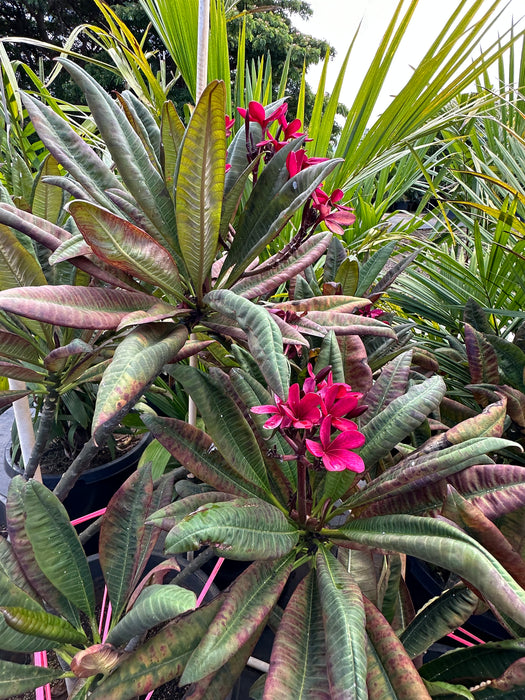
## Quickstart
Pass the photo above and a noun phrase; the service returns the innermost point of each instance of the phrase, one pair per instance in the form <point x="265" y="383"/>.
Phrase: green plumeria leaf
<point x="225" y="424"/>
<point x="16" y="509"/>
<point x="142" y="178"/>
<point x="57" y="548"/>
<point x="344" y="625"/>
<point x="47" y="199"/>
<point x="173" y="513"/>
<point x="220" y="683"/>
<point x="399" y="418"/>
<point x="39" y="623"/>
<point x="118" y="242"/>
<point x="443" y="615"/>
<point x="249" y="603"/>
<point x="443" y="545"/>
<point x="195" y="450"/>
<point x="245" y="529"/>
<point x="70" y="150"/>
<point x="136" y="362"/>
<point x="200" y="184"/>
<point x="298" y="663"/>
<point x="264" y="337"/>
<point x="391" y="674"/>
<point x="330" y="356"/>
<point x="391" y="383"/>
<point x="172" y="133"/>
<point x="12" y="595"/>
<point x="156" y="604"/>
<point x="475" y="664"/>
<point x="20" y="678"/>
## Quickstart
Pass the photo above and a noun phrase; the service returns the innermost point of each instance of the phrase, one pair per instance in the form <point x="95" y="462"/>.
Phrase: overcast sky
<point x="337" y="20"/>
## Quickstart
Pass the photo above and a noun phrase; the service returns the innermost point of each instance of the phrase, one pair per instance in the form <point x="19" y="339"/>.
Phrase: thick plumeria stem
<point x="302" y="471"/>
<point x="83" y="460"/>
<point x="45" y="426"/>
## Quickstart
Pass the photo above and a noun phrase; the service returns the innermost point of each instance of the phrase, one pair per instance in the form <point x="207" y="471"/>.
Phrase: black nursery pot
<point x="94" y="487"/>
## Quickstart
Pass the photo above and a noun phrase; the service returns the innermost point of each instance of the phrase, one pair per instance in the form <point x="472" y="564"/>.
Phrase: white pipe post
<point x="24" y="423"/>
<point x="202" y="47"/>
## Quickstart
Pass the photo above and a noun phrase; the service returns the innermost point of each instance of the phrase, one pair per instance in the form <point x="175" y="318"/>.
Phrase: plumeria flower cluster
<point x="317" y="419"/>
<point x="321" y="206"/>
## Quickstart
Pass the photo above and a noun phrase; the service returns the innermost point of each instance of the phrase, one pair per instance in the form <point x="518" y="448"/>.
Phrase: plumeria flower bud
<point x="99" y="658"/>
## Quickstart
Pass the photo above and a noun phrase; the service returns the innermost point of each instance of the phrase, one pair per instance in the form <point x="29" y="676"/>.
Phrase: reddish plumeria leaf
<point x="357" y="371"/>
<point x="118" y="242"/>
<point x="160" y="311"/>
<point x="453" y="412"/>
<point x="74" y="307"/>
<point x="486" y="393"/>
<point x="275" y="273"/>
<point x="159" y="659"/>
<point x="477" y="525"/>
<point x="495" y="489"/>
<point x="298" y="662"/>
<point x="344" y="626"/>
<point x="122" y="535"/>
<point x="17" y="348"/>
<point x="200" y="185"/>
<point x="512" y="679"/>
<point x="249" y="603"/>
<point x="351" y="324"/>
<point x="195" y="450"/>
<point x="8" y="397"/>
<point x="419" y="472"/>
<point x="489" y="423"/>
<point x="23" y="374"/>
<point x="52" y="237"/>
<point x="391" y="383"/>
<point x="136" y="362"/>
<point x="482" y="358"/>
<point x="391" y="674"/>
<point x="220" y="683"/>
<point x="334" y="302"/>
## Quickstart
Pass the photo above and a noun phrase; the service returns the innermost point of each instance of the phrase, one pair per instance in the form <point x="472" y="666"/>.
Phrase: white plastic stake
<point x="24" y="423"/>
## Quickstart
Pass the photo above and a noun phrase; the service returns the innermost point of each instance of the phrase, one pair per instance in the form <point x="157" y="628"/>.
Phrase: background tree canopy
<point x="269" y="30"/>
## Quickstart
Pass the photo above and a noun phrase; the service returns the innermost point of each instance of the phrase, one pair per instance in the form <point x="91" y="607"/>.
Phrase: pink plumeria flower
<point x="298" y="160"/>
<point x="303" y="412"/>
<point x="278" y="415"/>
<point x="337" y="454"/>
<point x="257" y="113"/>
<point x="229" y="123"/>
<point x="333" y="214"/>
